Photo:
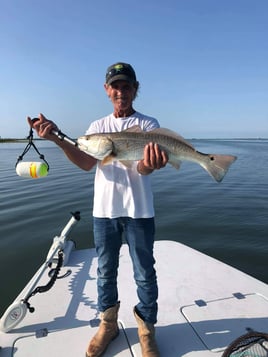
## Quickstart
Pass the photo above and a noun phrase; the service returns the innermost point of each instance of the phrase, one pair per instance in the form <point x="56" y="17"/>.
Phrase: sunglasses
<point x="121" y="70"/>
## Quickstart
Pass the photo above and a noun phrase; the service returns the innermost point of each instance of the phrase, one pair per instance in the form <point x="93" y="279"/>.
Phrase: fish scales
<point x="128" y="145"/>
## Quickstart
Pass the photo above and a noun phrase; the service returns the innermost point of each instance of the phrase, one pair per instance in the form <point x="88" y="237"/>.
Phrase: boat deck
<point x="203" y="306"/>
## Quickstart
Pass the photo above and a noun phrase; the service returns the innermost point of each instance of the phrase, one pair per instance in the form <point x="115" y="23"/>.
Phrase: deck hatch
<point x="218" y="322"/>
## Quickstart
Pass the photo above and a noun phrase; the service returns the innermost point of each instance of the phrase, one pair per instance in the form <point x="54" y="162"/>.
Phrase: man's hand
<point x="154" y="159"/>
<point x="43" y="127"/>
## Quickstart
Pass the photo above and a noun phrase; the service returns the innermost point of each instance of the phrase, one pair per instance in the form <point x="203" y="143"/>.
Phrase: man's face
<point x="121" y="93"/>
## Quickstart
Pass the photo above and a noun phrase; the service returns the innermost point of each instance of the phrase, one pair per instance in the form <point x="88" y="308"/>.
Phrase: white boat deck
<point x="203" y="306"/>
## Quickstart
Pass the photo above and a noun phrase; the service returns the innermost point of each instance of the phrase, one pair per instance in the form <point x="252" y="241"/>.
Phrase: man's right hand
<point x="43" y="127"/>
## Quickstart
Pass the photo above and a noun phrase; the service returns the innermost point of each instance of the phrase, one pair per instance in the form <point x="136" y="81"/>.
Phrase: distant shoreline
<point x="7" y="140"/>
<point x="12" y="140"/>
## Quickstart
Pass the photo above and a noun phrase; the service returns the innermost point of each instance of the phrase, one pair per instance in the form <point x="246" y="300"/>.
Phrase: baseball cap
<point x="120" y="71"/>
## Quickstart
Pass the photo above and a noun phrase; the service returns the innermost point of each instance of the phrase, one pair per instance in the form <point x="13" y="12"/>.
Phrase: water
<point x="227" y="221"/>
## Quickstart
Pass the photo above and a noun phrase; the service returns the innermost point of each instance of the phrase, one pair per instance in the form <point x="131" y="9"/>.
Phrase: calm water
<point x="228" y="221"/>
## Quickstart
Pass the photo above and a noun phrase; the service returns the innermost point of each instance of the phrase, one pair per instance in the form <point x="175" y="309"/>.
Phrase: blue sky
<point x="202" y="64"/>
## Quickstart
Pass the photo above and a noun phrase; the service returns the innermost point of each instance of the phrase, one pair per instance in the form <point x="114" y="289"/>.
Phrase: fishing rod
<point x="58" y="254"/>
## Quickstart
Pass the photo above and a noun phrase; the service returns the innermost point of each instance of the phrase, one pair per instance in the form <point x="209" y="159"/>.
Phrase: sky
<point x="202" y="64"/>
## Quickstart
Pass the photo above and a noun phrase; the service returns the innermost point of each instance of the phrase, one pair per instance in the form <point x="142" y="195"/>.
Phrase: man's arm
<point x="44" y="127"/>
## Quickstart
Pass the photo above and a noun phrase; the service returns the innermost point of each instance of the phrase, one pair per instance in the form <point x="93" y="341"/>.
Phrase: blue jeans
<point x="139" y="235"/>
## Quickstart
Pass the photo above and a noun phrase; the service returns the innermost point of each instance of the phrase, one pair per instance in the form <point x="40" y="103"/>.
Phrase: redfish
<point x="128" y="146"/>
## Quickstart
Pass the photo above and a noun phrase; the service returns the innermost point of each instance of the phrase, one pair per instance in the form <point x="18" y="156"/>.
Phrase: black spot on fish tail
<point x="218" y="165"/>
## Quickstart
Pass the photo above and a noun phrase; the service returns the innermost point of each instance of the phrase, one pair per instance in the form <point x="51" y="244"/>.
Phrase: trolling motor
<point x="58" y="254"/>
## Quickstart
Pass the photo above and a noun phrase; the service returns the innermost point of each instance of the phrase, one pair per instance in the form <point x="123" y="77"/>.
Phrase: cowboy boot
<point x="108" y="331"/>
<point x="146" y="332"/>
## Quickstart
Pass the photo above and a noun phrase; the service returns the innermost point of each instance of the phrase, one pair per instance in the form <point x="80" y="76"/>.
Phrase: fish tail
<point x="218" y="165"/>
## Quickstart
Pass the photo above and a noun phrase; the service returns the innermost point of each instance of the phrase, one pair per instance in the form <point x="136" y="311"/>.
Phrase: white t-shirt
<point x="120" y="191"/>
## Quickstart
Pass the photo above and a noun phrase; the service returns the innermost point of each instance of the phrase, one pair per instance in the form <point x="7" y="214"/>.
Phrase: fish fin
<point x="172" y="134"/>
<point x="133" y="129"/>
<point x="108" y="159"/>
<point x="126" y="163"/>
<point x="175" y="163"/>
<point x="218" y="165"/>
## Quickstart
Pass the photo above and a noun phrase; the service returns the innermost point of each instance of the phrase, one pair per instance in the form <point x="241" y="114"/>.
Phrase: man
<point x="123" y="203"/>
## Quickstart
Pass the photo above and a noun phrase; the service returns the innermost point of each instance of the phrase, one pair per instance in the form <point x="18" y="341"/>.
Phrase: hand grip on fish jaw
<point x="106" y="156"/>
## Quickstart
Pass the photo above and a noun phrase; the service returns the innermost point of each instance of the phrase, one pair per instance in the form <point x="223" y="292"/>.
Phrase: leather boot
<point x="108" y="331"/>
<point x="146" y="334"/>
